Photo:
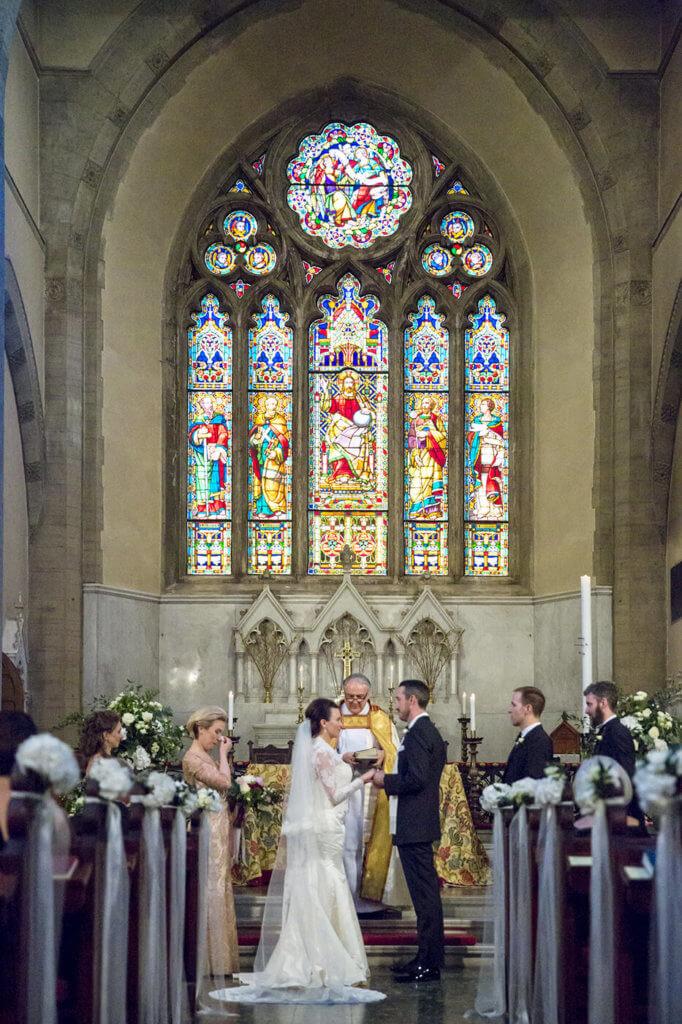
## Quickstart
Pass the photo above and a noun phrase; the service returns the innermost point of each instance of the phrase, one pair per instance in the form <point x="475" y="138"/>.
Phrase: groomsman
<point x="532" y="749"/>
<point x="415" y="782"/>
<point x="613" y="738"/>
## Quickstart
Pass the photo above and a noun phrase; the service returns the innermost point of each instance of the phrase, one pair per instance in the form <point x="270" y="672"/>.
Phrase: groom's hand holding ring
<point x="378" y="779"/>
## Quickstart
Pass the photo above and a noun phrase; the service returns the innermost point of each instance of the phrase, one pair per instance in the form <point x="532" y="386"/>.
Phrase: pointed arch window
<point x="348" y="365"/>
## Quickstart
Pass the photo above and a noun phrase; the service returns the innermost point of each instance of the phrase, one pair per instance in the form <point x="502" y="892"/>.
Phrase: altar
<point x="460" y="858"/>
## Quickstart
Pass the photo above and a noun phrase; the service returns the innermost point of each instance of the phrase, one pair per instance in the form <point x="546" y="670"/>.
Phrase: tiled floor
<point x="441" y="1002"/>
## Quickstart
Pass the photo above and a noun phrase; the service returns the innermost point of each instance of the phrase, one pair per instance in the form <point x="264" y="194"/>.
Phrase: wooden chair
<point x="270" y="754"/>
<point x="565" y="739"/>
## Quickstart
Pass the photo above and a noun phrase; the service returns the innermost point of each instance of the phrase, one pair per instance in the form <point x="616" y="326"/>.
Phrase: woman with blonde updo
<point x="206" y="727"/>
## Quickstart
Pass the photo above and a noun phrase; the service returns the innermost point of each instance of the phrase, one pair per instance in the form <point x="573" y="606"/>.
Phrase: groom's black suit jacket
<point x="529" y="758"/>
<point x="420" y="766"/>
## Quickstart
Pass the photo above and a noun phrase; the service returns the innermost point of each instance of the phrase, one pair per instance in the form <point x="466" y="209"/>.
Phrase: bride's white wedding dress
<point x="311" y="948"/>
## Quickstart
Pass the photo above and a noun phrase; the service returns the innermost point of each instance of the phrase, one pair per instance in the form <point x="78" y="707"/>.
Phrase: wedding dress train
<point x="311" y="948"/>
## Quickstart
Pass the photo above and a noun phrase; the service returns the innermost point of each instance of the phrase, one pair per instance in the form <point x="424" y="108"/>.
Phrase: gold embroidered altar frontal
<point x="460" y="858"/>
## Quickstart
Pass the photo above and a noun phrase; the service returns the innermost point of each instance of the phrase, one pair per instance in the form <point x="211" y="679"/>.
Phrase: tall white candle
<point x="230" y="710"/>
<point x="586" y="630"/>
<point x="301" y="676"/>
<point x="464" y="702"/>
<point x="472" y="713"/>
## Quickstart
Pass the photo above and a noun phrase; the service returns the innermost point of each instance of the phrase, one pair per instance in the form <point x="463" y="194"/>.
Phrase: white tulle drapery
<point x="152" y="970"/>
<point x="111" y="938"/>
<point x="549" y="924"/>
<point x="520" y="927"/>
<point x="491" y="998"/>
<point x="203" y="981"/>
<point x="601" y="973"/>
<point x="665" y="973"/>
<point x="177" y="1000"/>
<point x="48" y="841"/>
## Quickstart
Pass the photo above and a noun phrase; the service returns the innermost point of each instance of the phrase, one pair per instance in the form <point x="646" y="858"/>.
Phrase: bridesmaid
<point x="101" y="734"/>
<point x="206" y="727"/>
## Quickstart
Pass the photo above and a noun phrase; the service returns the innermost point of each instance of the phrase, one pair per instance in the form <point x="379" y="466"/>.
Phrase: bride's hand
<point x="369" y="775"/>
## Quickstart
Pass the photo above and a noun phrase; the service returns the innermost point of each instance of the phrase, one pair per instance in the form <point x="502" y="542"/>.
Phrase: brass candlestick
<point x="235" y="741"/>
<point x="300" y="704"/>
<point x="464" y="724"/>
<point x="473" y="743"/>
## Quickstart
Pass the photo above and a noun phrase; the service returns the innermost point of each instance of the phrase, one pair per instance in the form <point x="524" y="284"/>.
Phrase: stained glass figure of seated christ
<point x="348" y="408"/>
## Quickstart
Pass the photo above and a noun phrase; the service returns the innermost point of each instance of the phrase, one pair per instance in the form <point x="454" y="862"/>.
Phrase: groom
<point x="421" y="758"/>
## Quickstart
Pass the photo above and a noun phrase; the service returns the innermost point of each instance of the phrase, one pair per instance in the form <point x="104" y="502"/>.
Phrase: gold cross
<point x="347" y="653"/>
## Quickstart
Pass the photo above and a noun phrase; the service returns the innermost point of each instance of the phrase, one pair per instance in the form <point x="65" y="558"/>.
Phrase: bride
<point x="311" y="948"/>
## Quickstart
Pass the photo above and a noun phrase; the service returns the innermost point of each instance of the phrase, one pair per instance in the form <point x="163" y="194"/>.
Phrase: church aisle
<point x="443" y="1002"/>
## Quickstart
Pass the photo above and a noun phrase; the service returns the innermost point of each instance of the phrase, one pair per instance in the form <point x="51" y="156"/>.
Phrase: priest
<point x="365" y="725"/>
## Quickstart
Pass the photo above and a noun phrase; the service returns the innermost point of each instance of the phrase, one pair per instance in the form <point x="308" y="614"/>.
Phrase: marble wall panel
<point x="185" y="646"/>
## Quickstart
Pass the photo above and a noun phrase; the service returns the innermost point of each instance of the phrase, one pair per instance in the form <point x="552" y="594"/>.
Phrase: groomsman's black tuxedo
<point x="529" y="756"/>
<point x="420" y="765"/>
<point x="615" y="740"/>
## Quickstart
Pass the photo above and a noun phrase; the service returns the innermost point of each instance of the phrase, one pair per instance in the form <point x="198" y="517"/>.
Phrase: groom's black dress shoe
<point x="405" y="966"/>
<point x="418" y="974"/>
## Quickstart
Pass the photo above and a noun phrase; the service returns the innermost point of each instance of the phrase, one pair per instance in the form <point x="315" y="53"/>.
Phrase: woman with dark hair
<point x="15" y="727"/>
<point x="311" y="949"/>
<point x="101" y="734"/>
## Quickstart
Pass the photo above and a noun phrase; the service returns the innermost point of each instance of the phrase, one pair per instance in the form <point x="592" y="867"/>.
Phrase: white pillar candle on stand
<point x="586" y="630"/>
<point x="464" y="702"/>
<point x="472" y="713"/>
<point x="230" y="710"/>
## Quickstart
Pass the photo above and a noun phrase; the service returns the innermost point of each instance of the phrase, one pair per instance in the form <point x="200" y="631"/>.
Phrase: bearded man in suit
<point x="416" y="825"/>
<point x="532" y="749"/>
<point x="613" y="738"/>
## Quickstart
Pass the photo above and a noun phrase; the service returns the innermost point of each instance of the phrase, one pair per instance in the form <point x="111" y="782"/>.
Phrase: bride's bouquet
<point x="250" y="791"/>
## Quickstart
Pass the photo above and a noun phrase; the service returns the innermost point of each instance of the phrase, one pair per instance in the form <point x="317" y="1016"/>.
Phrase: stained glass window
<point x="348" y="470"/>
<point x="262" y="288"/>
<point x="486" y="456"/>
<point x="426" y="426"/>
<point x="349" y="185"/>
<point x="270" y="385"/>
<point x="209" y="409"/>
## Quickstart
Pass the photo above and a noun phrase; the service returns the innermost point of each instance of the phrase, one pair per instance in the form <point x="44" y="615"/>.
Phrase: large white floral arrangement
<point x="658" y="778"/>
<point x="651" y="726"/>
<point x="51" y="759"/>
<point x="151" y="737"/>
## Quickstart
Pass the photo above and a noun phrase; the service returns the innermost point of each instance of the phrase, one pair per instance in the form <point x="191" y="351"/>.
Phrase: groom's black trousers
<point x="422" y="881"/>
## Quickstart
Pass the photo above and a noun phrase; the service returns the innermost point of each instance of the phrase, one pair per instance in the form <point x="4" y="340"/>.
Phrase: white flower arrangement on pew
<point x="658" y="778"/>
<point x="160" y="790"/>
<point x="495" y="796"/>
<point x="210" y="800"/>
<point x="539" y="792"/>
<point x="51" y="760"/>
<point x="113" y="777"/>
<point x="602" y="782"/>
<point x="186" y="797"/>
